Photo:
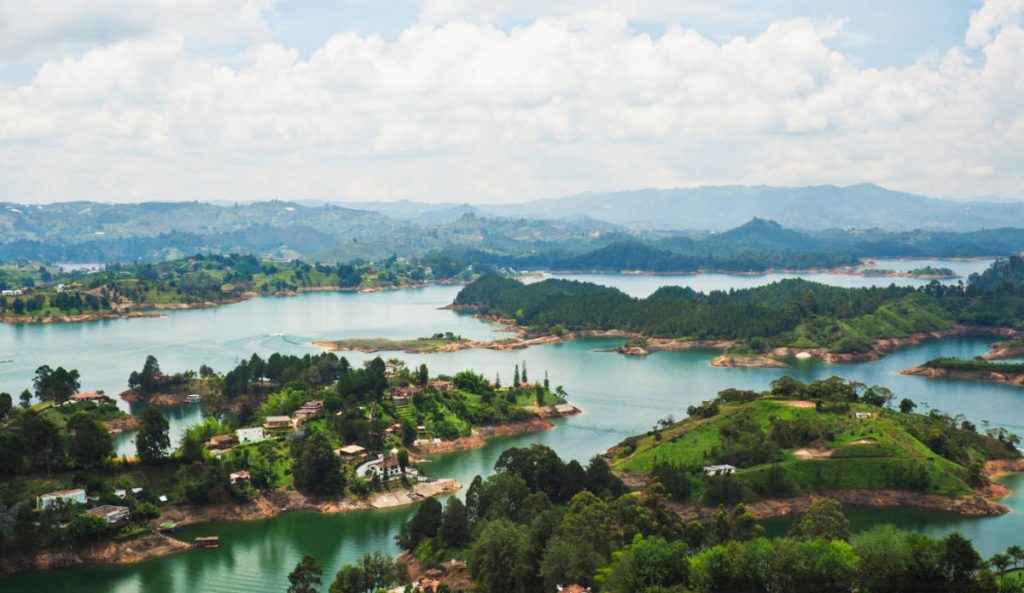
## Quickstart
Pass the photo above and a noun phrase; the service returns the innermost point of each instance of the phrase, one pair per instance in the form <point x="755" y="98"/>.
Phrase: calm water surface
<point x="619" y="395"/>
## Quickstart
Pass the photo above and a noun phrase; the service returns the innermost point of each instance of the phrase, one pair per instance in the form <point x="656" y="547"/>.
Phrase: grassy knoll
<point x="785" y="447"/>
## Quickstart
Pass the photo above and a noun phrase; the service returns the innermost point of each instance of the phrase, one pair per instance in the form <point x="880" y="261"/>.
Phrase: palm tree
<point x="1000" y="562"/>
<point x="1016" y="553"/>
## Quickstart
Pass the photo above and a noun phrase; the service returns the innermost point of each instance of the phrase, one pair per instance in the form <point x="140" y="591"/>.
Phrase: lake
<point x="619" y="396"/>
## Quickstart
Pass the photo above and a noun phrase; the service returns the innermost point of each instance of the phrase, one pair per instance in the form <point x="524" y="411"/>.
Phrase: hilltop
<point x="828" y="437"/>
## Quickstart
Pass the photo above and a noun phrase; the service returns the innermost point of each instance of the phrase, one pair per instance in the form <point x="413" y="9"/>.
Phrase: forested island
<point x="46" y="293"/>
<point x="786" y="318"/>
<point x="977" y="369"/>
<point x="285" y="433"/>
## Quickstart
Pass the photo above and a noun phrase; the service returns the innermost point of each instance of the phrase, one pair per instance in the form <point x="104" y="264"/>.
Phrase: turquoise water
<point x="619" y="395"/>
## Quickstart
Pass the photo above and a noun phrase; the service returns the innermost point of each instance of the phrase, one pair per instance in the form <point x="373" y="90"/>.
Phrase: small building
<point x="720" y="470"/>
<point x="120" y="492"/>
<point x="566" y="409"/>
<point x="309" y="410"/>
<point x="192" y="398"/>
<point x="209" y="541"/>
<point x="385" y="469"/>
<point x="249" y="435"/>
<point x="401" y="395"/>
<point x="392" y="368"/>
<point x="442" y="385"/>
<point x="574" y="588"/>
<point x="88" y="398"/>
<point x="239" y="477"/>
<point x="220" y="441"/>
<point x="278" y="423"/>
<point x="59" y="497"/>
<point x="350" y="451"/>
<point x="113" y="515"/>
<point x="863" y="415"/>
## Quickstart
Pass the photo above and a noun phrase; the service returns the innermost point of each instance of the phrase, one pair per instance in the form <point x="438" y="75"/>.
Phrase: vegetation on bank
<point x="975" y="365"/>
<point x="924" y="272"/>
<point x="807" y="438"/>
<point x="306" y="408"/>
<point x="791" y="313"/>
<point x="413" y="346"/>
<point x="540" y="523"/>
<point x="39" y="291"/>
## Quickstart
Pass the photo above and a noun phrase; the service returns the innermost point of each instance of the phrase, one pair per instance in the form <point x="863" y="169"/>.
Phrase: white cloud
<point x="469" y="111"/>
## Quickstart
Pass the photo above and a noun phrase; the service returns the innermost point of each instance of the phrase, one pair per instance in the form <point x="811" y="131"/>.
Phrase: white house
<point x="50" y="499"/>
<point x="385" y="469"/>
<point x="249" y="435"/>
<point x="192" y="398"/>
<point x="863" y="415"/>
<point x="720" y="470"/>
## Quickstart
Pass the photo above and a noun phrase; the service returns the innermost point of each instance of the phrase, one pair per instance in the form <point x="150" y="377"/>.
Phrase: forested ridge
<point x="791" y="312"/>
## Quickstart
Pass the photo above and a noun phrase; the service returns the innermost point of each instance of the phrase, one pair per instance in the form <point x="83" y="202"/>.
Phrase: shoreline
<point x="980" y="503"/>
<point x="144" y="310"/>
<point x="1014" y="379"/>
<point x="481" y="435"/>
<point x="155" y="545"/>
<point x="880" y="348"/>
<point x="839" y="271"/>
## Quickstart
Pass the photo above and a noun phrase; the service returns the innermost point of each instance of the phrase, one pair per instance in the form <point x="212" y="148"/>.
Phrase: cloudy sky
<point x="505" y="100"/>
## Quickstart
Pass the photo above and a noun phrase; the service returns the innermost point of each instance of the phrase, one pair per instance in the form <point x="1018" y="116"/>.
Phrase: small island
<point x="924" y="273"/>
<point x="977" y="369"/>
<point x="439" y="342"/>
<point x="778" y="449"/>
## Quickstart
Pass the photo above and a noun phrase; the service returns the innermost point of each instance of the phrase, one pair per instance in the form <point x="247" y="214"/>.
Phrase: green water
<point x="619" y="395"/>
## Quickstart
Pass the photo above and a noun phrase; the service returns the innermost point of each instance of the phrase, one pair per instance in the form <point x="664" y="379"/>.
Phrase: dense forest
<point x="793" y="312"/>
<point x="51" y="291"/>
<point x="527" y="529"/>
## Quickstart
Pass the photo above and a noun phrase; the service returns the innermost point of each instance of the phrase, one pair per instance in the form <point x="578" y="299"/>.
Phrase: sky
<point x="493" y="101"/>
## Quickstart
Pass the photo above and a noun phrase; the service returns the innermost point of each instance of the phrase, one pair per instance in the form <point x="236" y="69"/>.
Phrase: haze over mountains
<point x="724" y="207"/>
<point x="655" y="225"/>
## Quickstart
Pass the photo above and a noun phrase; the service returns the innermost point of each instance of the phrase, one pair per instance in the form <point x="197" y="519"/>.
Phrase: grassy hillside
<point x="804" y="439"/>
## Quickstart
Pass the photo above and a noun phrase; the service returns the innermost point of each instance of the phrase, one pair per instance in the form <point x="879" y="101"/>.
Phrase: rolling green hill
<point x="810" y="440"/>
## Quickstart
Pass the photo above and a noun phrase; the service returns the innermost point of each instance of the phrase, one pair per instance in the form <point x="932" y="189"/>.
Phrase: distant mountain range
<point x="719" y="208"/>
<point x="670" y="229"/>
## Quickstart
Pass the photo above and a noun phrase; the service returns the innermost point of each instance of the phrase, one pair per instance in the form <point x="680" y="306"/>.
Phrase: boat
<point x="207" y="541"/>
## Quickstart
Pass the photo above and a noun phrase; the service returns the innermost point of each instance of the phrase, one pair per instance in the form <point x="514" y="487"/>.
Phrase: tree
<point x="5" y="405"/>
<point x="515" y="379"/>
<point x="317" y="469"/>
<point x="86" y="527"/>
<point x="907" y="405"/>
<point x="454" y="530"/>
<point x="403" y="459"/>
<point x="885" y="557"/>
<point x="1016" y="553"/>
<point x="423" y="525"/>
<point x="43" y="441"/>
<point x="41" y="382"/>
<point x="522" y="376"/>
<point x="959" y="561"/>
<point x="1000" y="561"/>
<point x="824" y="520"/>
<point x="89" y="442"/>
<point x="26" y="399"/>
<point x="422" y="375"/>
<point x="192" y="445"/>
<point x="498" y="561"/>
<point x="376" y="571"/>
<point x="306" y="576"/>
<point x="152" y="441"/>
<point x="57" y="385"/>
